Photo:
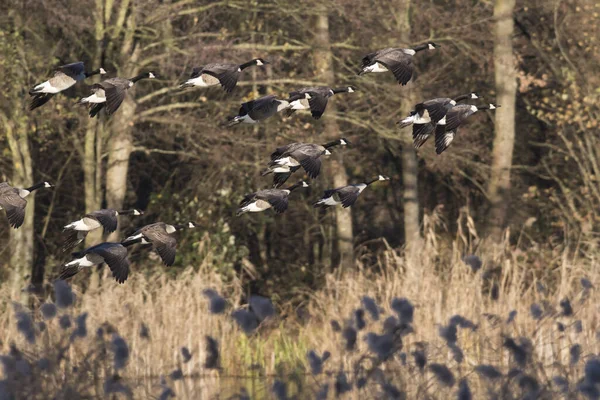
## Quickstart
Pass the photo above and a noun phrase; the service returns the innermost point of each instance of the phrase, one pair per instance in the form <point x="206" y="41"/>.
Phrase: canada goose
<point x="267" y="198"/>
<point x="159" y="235"/>
<point x="399" y="61"/>
<point x="110" y="93"/>
<point x="426" y="115"/>
<point x="346" y="195"/>
<point x="64" y="77"/>
<point x="314" y="99"/>
<point x="106" y="218"/>
<point x="446" y="128"/>
<point x="113" y="254"/>
<point x="258" y="110"/>
<point x="226" y="75"/>
<point x="288" y="159"/>
<point x="13" y="201"/>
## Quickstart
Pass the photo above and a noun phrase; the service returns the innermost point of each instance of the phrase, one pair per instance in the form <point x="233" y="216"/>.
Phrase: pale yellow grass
<point x="177" y="315"/>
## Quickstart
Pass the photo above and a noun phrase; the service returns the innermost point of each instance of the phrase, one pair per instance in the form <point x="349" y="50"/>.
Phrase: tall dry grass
<point x="435" y="280"/>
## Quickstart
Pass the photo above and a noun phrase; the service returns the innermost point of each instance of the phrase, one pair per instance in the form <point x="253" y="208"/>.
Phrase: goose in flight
<point x="288" y="159"/>
<point x="345" y="195"/>
<point x="314" y="99"/>
<point x="159" y="235"/>
<point x="110" y="93"/>
<point x="264" y="199"/>
<point x="13" y="201"/>
<point x="113" y="254"/>
<point x="214" y="74"/>
<point x="445" y="131"/>
<point x="76" y="231"/>
<point x="398" y="61"/>
<point x="64" y="77"/>
<point x="257" y="110"/>
<point x="427" y="114"/>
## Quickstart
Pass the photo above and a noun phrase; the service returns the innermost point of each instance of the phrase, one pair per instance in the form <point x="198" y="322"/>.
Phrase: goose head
<point x="383" y="178"/>
<point x="260" y="62"/>
<point x="102" y="71"/>
<point x="432" y="46"/>
<point x="344" y="142"/>
<point x="474" y="95"/>
<point x="151" y="75"/>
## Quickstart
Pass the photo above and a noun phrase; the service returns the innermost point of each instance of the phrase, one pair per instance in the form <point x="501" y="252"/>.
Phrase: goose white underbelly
<point x="81" y="225"/>
<point x="245" y="119"/>
<point x="46" y="87"/>
<point x="330" y="201"/>
<point x="301" y="104"/>
<point x="88" y="260"/>
<point x="94" y="98"/>
<point x="203" y="80"/>
<point x="257" y="206"/>
<point x="288" y="161"/>
<point x="377" y="67"/>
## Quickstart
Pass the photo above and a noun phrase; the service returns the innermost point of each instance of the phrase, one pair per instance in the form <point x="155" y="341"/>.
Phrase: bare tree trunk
<point x="504" y="139"/>
<point x="410" y="170"/>
<point x="119" y="150"/>
<point x="337" y="172"/>
<point x="89" y="177"/>
<point x="120" y="142"/>
<point x="92" y="168"/>
<point x="22" y="239"/>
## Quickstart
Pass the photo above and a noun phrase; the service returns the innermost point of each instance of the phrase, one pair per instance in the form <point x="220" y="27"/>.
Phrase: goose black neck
<point x="35" y="187"/>
<point x="139" y="77"/>
<point x="179" y="227"/>
<point x="421" y="47"/>
<point x="126" y="212"/>
<point x="331" y="144"/>
<point x="131" y="242"/>
<point x="372" y="181"/>
<point x="462" y="97"/>
<point x="247" y="64"/>
<point x="483" y="107"/>
<point x="339" y="90"/>
<point x="294" y="186"/>
<point x="92" y="73"/>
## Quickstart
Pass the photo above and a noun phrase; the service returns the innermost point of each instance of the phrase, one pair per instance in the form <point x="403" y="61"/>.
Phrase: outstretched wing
<point x="196" y="72"/>
<point x="164" y="243"/>
<point x="443" y="138"/>
<point x="369" y="58"/>
<point x="14" y="206"/>
<point x="107" y="218"/>
<point x="227" y="74"/>
<point x="421" y="133"/>
<point x="348" y="195"/>
<point x="312" y="166"/>
<point x="317" y="103"/>
<point x="249" y="198"/>
<point x="399" y="63"/>
<point x="115" y="256"/>
<point x="72" y="70"/>
<point x="167" y="251"/>
<point x="437" y="108"/>
<point x="276" y="198"/>
<point x="280" y="151"/>
<point x="457" y="116"/>
<point x="114" y="97"/>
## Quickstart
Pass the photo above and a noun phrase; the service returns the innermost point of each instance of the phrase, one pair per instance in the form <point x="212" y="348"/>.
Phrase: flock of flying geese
<point x="440" y="117"/>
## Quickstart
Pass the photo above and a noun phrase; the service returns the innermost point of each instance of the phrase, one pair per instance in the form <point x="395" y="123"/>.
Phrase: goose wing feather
<point x="106" y="217"/>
